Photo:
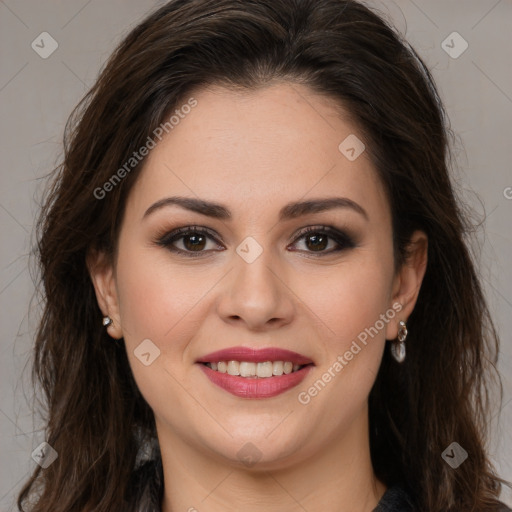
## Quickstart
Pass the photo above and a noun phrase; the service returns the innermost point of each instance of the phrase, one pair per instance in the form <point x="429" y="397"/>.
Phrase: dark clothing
<point x="395" y="499"/>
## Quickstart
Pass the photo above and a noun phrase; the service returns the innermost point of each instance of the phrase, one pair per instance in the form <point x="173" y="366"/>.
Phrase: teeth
<point x="247" y="369"/>
<point x="255" y="370"/>
<point x="277" y="368"/>
<point x="233" y="368"/>
<point x="264" y="369"/>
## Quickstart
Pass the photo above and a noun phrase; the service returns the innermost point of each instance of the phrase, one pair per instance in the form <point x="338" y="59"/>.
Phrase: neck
<point x="337" y="478"/>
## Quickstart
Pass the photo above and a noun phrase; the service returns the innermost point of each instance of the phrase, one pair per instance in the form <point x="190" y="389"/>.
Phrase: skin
<point x="254" y="152"/>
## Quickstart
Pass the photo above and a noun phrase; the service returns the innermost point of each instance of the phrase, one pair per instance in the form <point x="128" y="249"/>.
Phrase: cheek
<point x="351" y="306"/>
<point x="349" y="298"/>
<point x="350" y="302"/>
<point x="157" y="303"/>
<point x="155" y="297"/>
<point x="365" y="295"/>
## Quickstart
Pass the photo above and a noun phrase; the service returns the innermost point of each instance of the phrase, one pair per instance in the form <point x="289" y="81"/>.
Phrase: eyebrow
<point x="289" y="211"/>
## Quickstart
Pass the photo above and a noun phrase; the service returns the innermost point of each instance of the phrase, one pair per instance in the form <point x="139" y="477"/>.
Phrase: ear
<point x="102" y="275"/>
<point x="407" y="281"/>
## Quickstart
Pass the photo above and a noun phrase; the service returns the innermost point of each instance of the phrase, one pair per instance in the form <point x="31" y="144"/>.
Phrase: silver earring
<point x="398" y="347"/>
<point x="107" y="321"/>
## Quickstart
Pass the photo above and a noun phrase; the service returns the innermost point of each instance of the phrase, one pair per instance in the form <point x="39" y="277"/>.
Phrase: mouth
<point x="251" y="373"/>
<point x="252" y="370"/>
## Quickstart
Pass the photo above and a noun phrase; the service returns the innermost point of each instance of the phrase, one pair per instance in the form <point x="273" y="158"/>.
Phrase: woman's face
<point x="252" y="278"/>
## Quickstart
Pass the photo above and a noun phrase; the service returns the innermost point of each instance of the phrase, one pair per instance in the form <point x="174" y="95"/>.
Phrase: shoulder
<point x="395" y="499"/>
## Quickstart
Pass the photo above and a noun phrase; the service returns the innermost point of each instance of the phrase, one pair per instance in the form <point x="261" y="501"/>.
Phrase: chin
<point x="258" y="452"/>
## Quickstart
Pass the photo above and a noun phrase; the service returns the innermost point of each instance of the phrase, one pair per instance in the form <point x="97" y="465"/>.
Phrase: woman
<point x="258" y="294"/>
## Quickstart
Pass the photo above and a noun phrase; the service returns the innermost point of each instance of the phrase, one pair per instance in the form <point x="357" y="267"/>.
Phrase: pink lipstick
<point x="255" y="373"/>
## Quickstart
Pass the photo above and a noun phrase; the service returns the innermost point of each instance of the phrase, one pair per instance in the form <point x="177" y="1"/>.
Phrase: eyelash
<point x="343" y="240"/>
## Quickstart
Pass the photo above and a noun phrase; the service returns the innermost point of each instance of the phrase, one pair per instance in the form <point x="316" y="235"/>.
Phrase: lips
<point x="255" y="387"/>
<point x="255" y="355"/>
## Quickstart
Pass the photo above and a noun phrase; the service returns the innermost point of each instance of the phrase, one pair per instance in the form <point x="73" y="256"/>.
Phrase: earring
<point x="107" y="321"/>
<point x="398" y="347"/>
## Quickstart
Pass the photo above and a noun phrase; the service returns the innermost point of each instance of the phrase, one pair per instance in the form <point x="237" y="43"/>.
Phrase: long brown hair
<point x="97" y="420"/>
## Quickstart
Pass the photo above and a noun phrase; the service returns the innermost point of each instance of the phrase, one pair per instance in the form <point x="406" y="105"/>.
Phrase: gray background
<point x="37" y="95"/>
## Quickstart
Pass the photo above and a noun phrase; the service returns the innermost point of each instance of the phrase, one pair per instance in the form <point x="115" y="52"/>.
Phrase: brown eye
<point x="317" y="240"/>
<point x="192" y="240"/>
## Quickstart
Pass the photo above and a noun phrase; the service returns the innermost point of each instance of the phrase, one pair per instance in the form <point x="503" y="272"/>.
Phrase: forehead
<point x="259" y="148"/>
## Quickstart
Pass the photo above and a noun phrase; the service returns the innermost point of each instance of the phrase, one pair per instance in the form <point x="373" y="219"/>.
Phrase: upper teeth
<point x="249" y="369"/>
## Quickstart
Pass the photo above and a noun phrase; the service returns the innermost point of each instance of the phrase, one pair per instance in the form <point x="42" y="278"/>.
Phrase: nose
<point x="256" y="294"/>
